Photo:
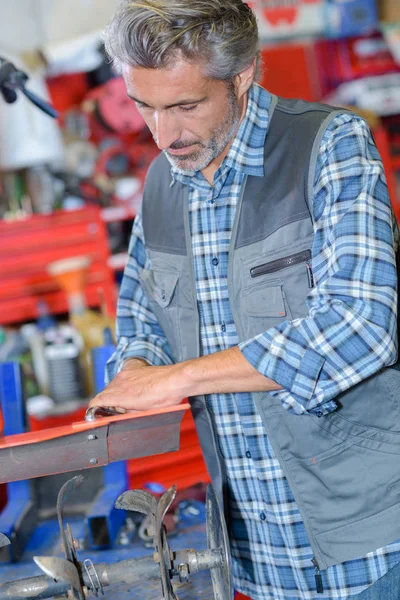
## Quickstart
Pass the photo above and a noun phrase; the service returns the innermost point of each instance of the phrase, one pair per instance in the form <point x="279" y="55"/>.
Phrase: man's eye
<point x="188" y="108"/>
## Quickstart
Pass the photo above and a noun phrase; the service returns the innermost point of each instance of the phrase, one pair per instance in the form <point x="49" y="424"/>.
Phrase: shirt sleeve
<point x="350" y="332"/>
<point x="138" y="333"/>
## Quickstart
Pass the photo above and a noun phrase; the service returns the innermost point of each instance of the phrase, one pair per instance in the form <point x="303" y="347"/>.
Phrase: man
<point x="261" y="284"/>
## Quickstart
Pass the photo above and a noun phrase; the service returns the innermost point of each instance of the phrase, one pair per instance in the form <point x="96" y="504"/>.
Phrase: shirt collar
<point x="246" y="153"/>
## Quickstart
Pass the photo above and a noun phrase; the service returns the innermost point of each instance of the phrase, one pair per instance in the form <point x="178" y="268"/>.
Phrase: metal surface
<point x="70" y="574"/>
<point x="161" y="543"/>
<point x="65" y="449"/>
<point x="217" y="537"/>
<point x="137" y="500"/>
<point x="66" y="536"/>
<point x="61" y="570"/>
<point x="95" y="583"/>
<point x="34" y="587"/>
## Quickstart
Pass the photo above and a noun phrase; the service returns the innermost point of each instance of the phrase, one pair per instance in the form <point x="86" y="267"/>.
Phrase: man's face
<point x="192" y="118"/>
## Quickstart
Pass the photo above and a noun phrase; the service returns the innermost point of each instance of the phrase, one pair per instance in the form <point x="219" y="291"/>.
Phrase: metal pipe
<point x="127" y="571"/>
<point x="35" y="587"/>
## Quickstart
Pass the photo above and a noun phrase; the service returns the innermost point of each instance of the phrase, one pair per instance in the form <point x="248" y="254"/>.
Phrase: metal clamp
<point x="93" y="577"/>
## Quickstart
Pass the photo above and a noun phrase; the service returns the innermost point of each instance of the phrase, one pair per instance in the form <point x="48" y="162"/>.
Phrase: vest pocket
<point x="274" y="289"/>
<point x="369" y="413"/>
<point x="162" y="290"/>
<point x="265" y="300"/>
<point x="282" y="263"/>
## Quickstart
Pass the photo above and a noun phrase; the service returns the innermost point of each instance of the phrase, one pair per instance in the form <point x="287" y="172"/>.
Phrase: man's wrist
<point x="191" y="377"/>
<point x="130" y="363"/>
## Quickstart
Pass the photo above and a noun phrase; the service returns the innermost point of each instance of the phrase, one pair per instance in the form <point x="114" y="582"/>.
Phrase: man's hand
<point x="140" y="386"/>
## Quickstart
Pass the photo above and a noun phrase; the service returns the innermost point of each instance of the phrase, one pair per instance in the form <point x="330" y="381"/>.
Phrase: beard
<point x="212" y="148"/>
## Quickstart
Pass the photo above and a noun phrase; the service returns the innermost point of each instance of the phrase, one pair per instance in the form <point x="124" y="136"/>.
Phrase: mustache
<point x="182" y="145"/>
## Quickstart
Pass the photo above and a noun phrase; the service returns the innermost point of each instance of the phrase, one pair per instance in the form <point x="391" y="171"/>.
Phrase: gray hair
<point x="152" y="33"/>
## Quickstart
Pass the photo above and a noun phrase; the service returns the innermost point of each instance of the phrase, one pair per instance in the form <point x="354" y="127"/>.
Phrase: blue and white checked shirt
<point x="352" y="322"/>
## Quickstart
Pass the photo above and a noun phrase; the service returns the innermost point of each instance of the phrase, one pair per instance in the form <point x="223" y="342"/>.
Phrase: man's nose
<point x="166" y="130"/>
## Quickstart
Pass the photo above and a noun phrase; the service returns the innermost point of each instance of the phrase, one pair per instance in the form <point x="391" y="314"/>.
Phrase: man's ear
<point x="244" y="80"/>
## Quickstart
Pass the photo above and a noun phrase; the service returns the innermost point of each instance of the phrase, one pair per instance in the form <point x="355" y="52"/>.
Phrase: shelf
<point x="118" y="262"/>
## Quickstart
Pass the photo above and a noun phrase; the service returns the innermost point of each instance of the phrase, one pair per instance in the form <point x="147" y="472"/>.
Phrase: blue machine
<point x="104" y="520"/>
<point x="19" y="518"/>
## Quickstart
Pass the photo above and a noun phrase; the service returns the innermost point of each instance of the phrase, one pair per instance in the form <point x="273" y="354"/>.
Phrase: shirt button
<point x="320" y="414"/>
<point x="248" y="454"/>
<point x="262" y="516"/>
<point x="223" y="328"/>
<point x="215" y="262"/>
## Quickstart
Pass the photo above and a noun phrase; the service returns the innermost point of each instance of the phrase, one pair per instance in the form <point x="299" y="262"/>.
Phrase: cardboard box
<point x="283" y="19"/>
<point x="389" y="10"/>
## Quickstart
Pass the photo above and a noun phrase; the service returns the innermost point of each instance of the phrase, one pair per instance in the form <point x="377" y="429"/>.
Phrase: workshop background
<point x="70" y="187"/>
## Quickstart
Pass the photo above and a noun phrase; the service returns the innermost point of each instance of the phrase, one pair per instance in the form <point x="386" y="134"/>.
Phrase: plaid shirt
<point x="351" y="322"/>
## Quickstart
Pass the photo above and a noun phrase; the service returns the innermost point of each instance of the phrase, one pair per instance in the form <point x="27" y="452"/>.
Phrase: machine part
<point x="145" y="503"/>
<point x="137" y="501"/>
<point x="67" y="448"/>
<point x="4" y="541"/>
<point x="103" y="520"/>
<point x="146" y="533"/>
<point x="60" y="569"/>
<point x="66" y="535"/>
<point x="95" y="585"/>
<point x="66" y="576"/>
<point x="72" y="576"/>
<point x="217" y="537"/>
<point x="161" y="543"/>
<point x="183" y="571"/>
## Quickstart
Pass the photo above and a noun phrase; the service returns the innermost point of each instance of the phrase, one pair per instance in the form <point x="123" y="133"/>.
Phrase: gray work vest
<point x="344" y="468"/>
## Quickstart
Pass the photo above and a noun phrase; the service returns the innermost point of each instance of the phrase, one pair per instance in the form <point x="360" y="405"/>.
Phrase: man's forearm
<point x="139" y="386"/>
<point x="223" y="372"/>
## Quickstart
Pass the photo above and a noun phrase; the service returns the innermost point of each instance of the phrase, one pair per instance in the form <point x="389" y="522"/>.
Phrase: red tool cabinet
<point x="26" y="248"/>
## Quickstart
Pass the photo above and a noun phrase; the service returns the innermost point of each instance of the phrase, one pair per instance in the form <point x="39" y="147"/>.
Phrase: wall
<point x="28" y="24"/>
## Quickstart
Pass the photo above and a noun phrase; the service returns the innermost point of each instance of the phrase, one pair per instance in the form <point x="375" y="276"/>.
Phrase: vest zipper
<point x="310" y="274"/>
<point x="201" y="319"/>
<point x="282" y="263"/>
<point x="318" y="577"/>
<point x="207" y="400"/>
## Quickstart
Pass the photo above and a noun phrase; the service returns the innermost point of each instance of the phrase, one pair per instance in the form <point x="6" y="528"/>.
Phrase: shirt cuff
<point x="151" y="353"/>
<point x="297" y="374"/>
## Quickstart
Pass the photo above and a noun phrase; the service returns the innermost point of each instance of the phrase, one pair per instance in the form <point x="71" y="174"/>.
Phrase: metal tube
<point x="35" y="587"/>
<point x="127" y="571"/>
<point x="204" y="560"/>
<point x="39" y="588"/>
